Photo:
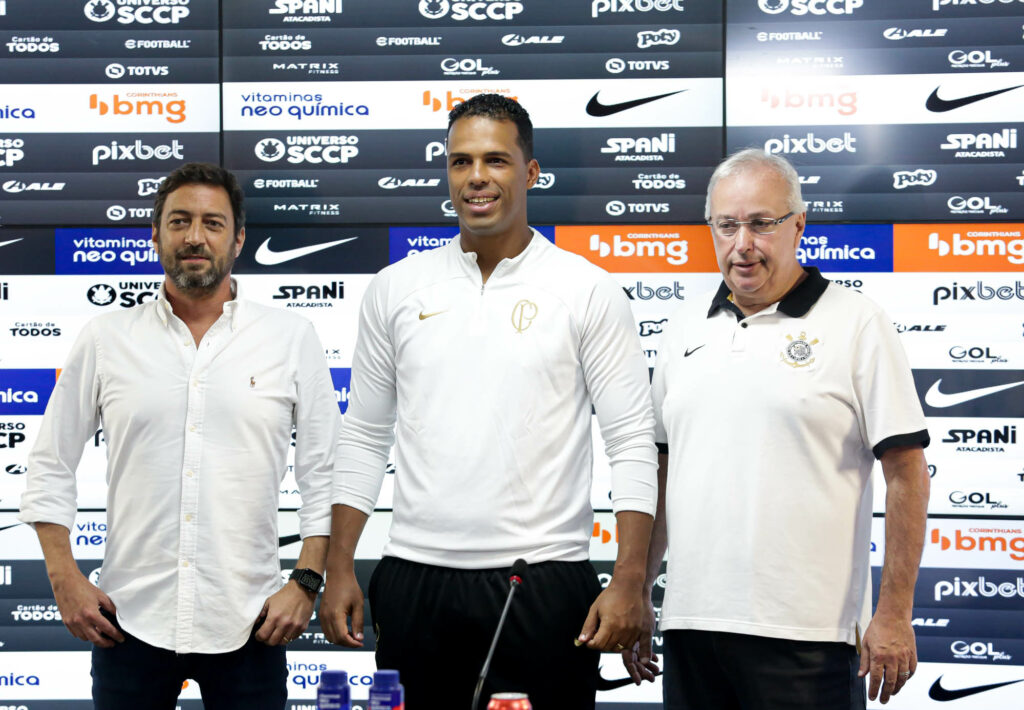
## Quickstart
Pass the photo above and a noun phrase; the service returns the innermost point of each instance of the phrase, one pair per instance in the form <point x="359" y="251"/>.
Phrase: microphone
<point x="515" y="578"/>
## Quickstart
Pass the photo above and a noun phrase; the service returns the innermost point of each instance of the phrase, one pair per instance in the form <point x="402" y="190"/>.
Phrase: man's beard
<point x="192" y="281"/>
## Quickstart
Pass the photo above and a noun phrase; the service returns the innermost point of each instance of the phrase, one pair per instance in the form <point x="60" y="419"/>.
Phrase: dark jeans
<point x="435" y="624"/>
<point x="713" y="669"/>
<point x="134" y="675"/>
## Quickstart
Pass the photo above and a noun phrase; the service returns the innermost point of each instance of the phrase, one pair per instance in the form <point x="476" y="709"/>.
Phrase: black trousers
<point x="134" y="675"/>
<point x="434" y="625"/>
<point x="723" y="671"/>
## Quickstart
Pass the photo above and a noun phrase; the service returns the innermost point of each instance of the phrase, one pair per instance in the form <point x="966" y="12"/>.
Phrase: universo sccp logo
<point x="143" y="12"/>
<point x="478" y="10"/>
<point x="812" y="7"/>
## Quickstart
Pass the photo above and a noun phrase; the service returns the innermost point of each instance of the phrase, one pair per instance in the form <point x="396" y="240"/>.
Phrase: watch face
<point x="308" y="579"/>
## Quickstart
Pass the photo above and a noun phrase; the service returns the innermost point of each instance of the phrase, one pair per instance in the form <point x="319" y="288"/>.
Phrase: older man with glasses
<point x="775" y="395"/>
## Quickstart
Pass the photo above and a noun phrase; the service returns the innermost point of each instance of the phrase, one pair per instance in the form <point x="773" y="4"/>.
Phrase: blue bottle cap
<point x="333" y="680"/>
<point x="385" y="679"/>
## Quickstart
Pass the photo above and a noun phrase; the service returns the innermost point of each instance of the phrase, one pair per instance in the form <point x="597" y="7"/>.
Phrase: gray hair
<point x="753" y="158"/>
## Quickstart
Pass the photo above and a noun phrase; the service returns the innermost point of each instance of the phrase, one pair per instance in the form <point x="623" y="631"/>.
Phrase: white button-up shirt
<point x="197" y="443"/>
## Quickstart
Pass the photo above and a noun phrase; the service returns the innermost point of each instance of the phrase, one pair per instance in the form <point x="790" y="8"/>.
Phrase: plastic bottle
<point x="386" y="693"/>
<point x="333" y="693"/>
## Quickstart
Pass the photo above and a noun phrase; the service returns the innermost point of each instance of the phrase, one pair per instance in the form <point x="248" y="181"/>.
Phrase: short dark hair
<point x="498" y="108"/>
<point x="202" y="174"/>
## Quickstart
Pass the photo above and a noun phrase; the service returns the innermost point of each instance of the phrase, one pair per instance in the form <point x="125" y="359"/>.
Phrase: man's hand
<point x="618" y="616"/>
<point x="889" y="654"/>
<point x="640" y="662"/>
<point x="79" y="602"/>
<point x="285" y="615"/>
<point x="342" y="600"/>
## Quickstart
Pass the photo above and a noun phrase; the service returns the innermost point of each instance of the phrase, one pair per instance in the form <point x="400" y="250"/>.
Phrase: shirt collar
<point x="468" y="258"/>
<point x="794" y="304"/>
<point x="233" y="308"/>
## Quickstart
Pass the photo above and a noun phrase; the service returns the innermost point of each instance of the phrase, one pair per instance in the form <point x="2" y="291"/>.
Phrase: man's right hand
<point x="79" y="602"/>
<point x="640" y="662"/>
<point x="342" y="600"/>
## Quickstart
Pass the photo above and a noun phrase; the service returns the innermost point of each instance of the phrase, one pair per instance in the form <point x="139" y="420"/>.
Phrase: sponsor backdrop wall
<point x="904" y="119"/>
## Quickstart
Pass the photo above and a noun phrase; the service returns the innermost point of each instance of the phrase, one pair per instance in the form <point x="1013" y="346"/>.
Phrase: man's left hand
<point x="285" y="615"/>
<point x="888" y="654"/>
<point x="616" y="620"/>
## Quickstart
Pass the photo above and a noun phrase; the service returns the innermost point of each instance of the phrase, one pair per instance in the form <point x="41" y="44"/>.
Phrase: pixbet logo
<point x="811" y="143"/>
<point x="597" y="7"/>
<point x="973" y="245"/>
<point x="643" y="292"/>
<point x="173" y="111"/>
<point x="812" y="7"/>
<point x="672" y="251"/>
<point x="979" y="292"/>
<point x="137" y="151"/>
<point x="479" y="10"/>
<point x="908" y="178"/>
<point x="844" y="103"/>
<point x="651" y="38"/>
<point x="998" y="540"/>
<point x="979" y="588"/>
<point x="144" y="12"/>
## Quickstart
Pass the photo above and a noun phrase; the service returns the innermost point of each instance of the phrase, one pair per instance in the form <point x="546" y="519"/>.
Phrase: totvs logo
<point x="138" y="105"/>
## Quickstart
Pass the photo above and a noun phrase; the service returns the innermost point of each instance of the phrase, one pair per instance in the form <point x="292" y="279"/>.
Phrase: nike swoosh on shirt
<point x="937" y="692"/>
<point x="596" y="108"/>
<point x="937" y="105"/>
<point x="11" y="241"/>
<point x="934" y="398"/>
<point x="424" y="316"/>
<point x="272" y="258"/>
<point x="688" y="353"/>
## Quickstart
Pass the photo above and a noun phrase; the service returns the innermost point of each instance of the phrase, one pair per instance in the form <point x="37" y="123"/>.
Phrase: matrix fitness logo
<point x="143" y="12"/>
<point x="479" y="10"/>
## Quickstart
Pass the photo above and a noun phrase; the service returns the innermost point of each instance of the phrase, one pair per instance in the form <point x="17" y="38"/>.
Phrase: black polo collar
<point x="794" y="304"/>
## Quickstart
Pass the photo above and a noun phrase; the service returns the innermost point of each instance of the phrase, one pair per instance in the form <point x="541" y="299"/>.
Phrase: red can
<point x="509" y="701"/>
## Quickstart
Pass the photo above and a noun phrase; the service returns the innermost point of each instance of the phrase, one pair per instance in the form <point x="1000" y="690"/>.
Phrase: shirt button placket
<point x="189" y="508"/>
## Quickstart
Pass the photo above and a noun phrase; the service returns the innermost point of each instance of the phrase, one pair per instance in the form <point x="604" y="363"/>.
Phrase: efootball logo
<point x="99" y="10"/>
<point x="269" y="150"/>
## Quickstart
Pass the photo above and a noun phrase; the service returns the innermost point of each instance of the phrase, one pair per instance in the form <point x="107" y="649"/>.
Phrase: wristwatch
<point x="308" y="579"/>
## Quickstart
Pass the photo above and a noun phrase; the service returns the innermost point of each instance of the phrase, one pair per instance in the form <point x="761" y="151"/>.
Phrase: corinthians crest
<point x="798" y="352"/>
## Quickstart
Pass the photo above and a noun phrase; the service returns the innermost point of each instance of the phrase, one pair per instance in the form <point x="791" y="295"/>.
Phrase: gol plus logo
<point x="138" y="105"/>
<point x="976" y="244"/>
<point x="982" y="540"/>
<point x="144" y="12"/>
<point x="975" y="59"/>
<point x="812" y="7"/>
<point x="975" y="204"/>
<point x="977" y="651"/>
<point x="479" y="10"/>
<point x="635" y="245"/>
<point x="845" y="103"/>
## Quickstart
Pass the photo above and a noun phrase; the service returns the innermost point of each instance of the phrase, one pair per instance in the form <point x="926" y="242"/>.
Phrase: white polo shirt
<point x="487" y="391"/>
<point x="772" y="423"/>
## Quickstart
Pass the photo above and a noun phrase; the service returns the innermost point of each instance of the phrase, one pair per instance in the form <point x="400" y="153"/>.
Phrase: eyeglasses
<point x="760" y="225"/>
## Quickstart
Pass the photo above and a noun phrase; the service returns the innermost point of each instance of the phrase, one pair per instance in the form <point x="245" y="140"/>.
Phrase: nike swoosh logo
<point x="937" y="105"/>
<point x="934" y="398"/>
<point x="937" y="692"/>
<point x="272" y="258"/>
<point x="424" y="316"/>
<point x="287" y="539"/>
<point x="11" y="241"/>
<point x="596" y="108"/>
<point x="5" y="527"/>
<point x="688" y="353"/>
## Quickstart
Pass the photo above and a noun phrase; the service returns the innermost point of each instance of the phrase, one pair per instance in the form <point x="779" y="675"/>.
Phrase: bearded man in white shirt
<point x="197" y="393"/>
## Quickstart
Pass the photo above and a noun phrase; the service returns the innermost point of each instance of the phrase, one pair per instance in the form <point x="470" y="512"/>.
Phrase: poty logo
<point x="545" y="181"/>
<point x="597" y="7"/>
<point x="392" y="183"/>
<point x="19" y="186"/>
<point x="975" y="204"/>
<point x="813" y="7"/>
<point x="652" y="327"/>
<point x="845" y="103"/>
<point x="996" y="540"/>
<point x="673" y="252"/>
<point x="977" y="651"/>
<point x="651" y="38"/>
<point x="976" y="245"/>
<point x="517" y="40"/>
<point x="149" y="186"/>
<point x="479" y="10"/>
<point x="144" y="12"/>
<point x="980" y="588"/>
<point x="811" y="144"/>
<point x="906" y="178"/>
<point x="137" y="151"/>
<point x="314" y="150"/>
<point x="173" y="111"/>
<point x="897" y="33"/>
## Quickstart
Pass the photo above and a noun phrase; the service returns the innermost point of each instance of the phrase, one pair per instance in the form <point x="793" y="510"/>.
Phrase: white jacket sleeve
<point x="368" y="429"/>
<point x="617" y="378"/>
